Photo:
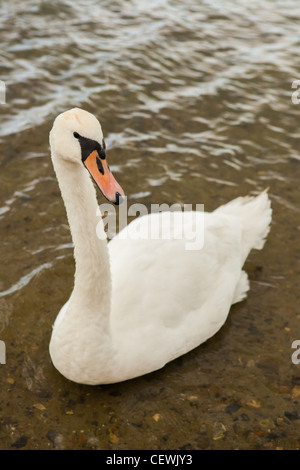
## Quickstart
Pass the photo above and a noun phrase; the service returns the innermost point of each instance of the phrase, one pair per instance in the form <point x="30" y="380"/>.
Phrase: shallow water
<point x="196" y="106"/>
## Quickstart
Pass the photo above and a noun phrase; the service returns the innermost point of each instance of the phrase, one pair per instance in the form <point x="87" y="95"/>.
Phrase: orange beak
<point x="103" y="177"/>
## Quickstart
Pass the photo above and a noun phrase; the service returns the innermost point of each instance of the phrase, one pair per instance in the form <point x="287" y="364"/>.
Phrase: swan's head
<point x="76" y="137"/>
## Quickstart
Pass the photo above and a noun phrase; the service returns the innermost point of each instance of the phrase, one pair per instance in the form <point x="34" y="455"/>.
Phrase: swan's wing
<point x="169" y="298"/>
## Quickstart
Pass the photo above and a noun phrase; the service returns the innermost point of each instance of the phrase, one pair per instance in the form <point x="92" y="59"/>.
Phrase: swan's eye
<point x="76" y="135"/>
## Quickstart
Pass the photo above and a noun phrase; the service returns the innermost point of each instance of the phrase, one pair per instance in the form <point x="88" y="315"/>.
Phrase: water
<point x="195" y="104"/>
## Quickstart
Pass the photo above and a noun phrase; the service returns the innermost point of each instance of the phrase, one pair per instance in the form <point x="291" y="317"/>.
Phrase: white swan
<point x="138" y="304"/>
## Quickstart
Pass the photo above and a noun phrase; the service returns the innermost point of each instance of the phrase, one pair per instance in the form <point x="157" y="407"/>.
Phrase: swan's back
<point x="169" y="299"/>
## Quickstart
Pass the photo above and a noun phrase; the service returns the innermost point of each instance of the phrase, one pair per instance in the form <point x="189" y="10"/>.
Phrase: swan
<point x="139" y="303"/>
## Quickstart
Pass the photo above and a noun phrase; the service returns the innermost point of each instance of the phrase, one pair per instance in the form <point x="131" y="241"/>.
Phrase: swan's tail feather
<point x="255" y="214"/>
<point x="241" y="289"/>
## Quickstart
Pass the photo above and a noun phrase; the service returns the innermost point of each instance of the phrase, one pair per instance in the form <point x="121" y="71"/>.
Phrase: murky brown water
<point x="195" y="102"/>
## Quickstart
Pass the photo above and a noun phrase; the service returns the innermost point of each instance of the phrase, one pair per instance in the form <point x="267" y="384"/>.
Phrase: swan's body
<point x="140" y="303"/>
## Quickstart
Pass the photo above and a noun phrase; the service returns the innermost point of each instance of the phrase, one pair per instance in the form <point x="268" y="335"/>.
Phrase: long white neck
<point x="92" y="287"/>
